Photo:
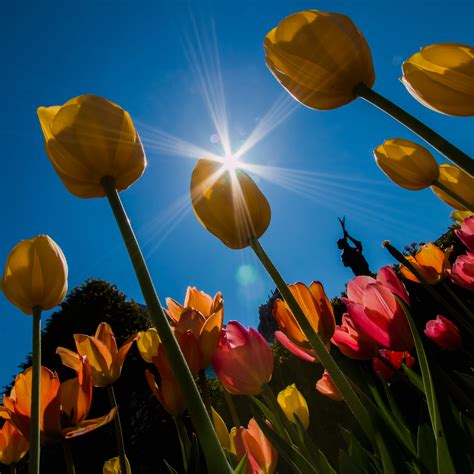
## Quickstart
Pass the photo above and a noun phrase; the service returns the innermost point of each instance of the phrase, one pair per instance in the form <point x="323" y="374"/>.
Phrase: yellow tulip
<point x="457" y="181"/>
<point x="228" y="204"/>
<point x="112" y="466"/>
<point x="221" y="429"/>
<point x="319" y="58"/>
<point x="89" y="138"/>
<point x="293" y="403"/>
<point x="148" y="343"/>
<point x="459" y="216"/>
<point x="408" y="164"/>
<point x="35" y="274"/>
<point x="441" y="77"/>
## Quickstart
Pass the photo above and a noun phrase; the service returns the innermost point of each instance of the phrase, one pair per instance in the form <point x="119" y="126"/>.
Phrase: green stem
<point x="455" y="196"/>
<point x="456" y="298"/>
<point x="183" y="440"/>
<point x="232" y="409"/>
<point x="337" y="376"/>
<point x="430" y="136"/>
<point x="118" y="431"/>
<point x="35" y="447"/>
<point x="205" y="391"/>
<point x="216" y="460"/>
<point x="70" y="469"/>
<point x="436" y="296"/>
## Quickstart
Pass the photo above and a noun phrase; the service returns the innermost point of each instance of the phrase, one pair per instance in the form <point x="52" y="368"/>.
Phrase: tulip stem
<point x="215" y="457"/>
<point x="35" y="447"/>
<point x="232" y="409"/>
<point x="183" y="440"/>
<point x="430" y="136"/>
<point x="456" y="298"/>
<point x="118" y="430"/>
<point x="205" y="391"/>
<point x="401" y="258"/>
<point x="455" y="196"/>
<point x="70" y="469"/>
<point x="337" y="376"/>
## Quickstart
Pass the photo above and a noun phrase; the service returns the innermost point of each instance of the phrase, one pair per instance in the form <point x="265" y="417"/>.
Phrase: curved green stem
<point x="430" y="136"/>
<point x="70" y="469"/>
<point x="183" y="440"/>
<point x="205" y="391"/>
<point x="35" y="447"/>
<point x="337" y="376"/>
<point x="456" y="197"/>
<point x="232" y="409"/>
<point x="118" y="431"/>
<point x="215" y="457"/>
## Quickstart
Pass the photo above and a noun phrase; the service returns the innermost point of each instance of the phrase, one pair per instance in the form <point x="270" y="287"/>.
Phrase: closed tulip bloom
<point x="88" y="138"/>
<point x="319" y="58"/>
<point x="13" y="445"/>
<point x="326" y="387"/>
<point x="229" y="204"/>
<point x="459" y="182"/>
<point x="444" y="333"/>
<point x="407" y="164"/>
<point x="35" y="274"/>
<point x="462" y="272"/>
<point x="243" y="360"/>
<point x="388" y="362"/>
<point x="262" y="457"/>
<point x="460" y="216"/>
<point x="148" y="343"/>
<point x="375" y="312"/>
<point x="317" y="309"/>
<point x="466" y="233"/>
<point x="441" y="77"/>
<point x="431" y="263"/>
<point x="293" y="403"/>
<point x="112" y="466"/>
<point x="221" y="429"/>
<point x="105" y="358"/>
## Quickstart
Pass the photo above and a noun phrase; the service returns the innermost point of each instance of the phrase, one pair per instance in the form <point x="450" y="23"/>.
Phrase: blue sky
<point x="137" y="54"/>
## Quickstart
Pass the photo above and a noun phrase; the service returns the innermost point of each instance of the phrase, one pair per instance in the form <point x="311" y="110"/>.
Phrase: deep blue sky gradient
<point x="134" y="53"/>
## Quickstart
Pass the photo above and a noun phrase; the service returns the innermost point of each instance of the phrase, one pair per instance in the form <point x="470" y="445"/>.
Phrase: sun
<point x="230" y="163"/>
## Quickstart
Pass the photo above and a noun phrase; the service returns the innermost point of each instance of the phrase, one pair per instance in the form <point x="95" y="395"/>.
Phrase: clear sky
<point x="160" y="60"/>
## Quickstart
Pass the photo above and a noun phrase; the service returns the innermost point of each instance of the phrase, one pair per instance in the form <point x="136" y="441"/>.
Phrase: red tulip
<point x="326" y="386"/>
<point x="388" y="362"/>
<point x="462" y="271"/>
<point x="466" y="233"/>
<point x="444" y="333"/>
<point x="374" y="310"/>
<point x="243" y="360"/>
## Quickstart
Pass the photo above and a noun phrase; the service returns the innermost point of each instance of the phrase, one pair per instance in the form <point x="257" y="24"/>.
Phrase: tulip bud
<point x="462" y="272"/>
<point x="466" y="233"/>
<point x="35" y="274"/>
<point x="148" y="343"/>
<point x="406" y="163"/>
<point x="112" y="466"/>
<point x="293" y="403"/>
<point x="228" y="204"/>
<point x="444" y="333"/>
<point x="326" y="386"/>
<point x="440" y="77"/>
<point x="459" y="182"/>
<point x="319" y="58"/>
<point x="89" y="138"/>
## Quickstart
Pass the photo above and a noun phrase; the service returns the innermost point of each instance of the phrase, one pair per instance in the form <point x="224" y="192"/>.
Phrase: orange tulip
<point x="13" y="445"/>
<point x="64" y="406"/>
<point x="317" y="309"/>
<point x="430" y="261"/>
<point x="106" y="360"/>
<point x="203" y="316"/>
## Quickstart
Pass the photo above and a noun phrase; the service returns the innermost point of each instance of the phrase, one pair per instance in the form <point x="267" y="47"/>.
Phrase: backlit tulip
<point x="462" y="272"/>
<point x="351" y="342"/>
<point x="326" y="386"/>
<point x="441" y="77"/>
<point x="444" y="333"/>
<point x="88" y="138"/>
<point x="459" y="182"/>
<point x="262" y="456"/>
<point x="203" y="316"/>
<point x="13" y="445"/>
<point x="459" y="216"/>
<point x="466" y="233"/>
<point x="229" y="204"/>
<point x="64" y="406"/>
<point x="431" y="263"/>
<point x="319" y="58"/>
<point x="148" y="343"/>
<point x="374" y="310"/>
<point x="388" y="362"/>
<point x="221" y="429"/>
<point x="112" y="466"/>
<point x="35" y="274"/>
<point x="105" y="359"/>
<point x="243" y="360"/>
<point x="317" y="309"/>
<point x="293" y="403"/>
<point x="408" y="164"/>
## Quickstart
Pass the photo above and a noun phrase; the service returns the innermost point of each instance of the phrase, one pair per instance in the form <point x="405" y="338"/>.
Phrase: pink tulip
<point x="375" y="312"/>
<point x="462" y="271"/>
<point x="466" y="233"/>
<point x="351" y="342"/>
<point x="326" y="386"/>
<point x="388" y="362"/>
<point x="444" y="333"/>
<point x="243" y="360"/>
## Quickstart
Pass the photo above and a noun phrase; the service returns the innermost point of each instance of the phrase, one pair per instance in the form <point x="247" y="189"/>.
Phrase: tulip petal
<point x="305" y="354"/>
<point x="89" y="425"/>
<point x="99" y="357"/>
<point x="69" y="358"/>
<point x="105" y="334"/>
<point x="209" y="337"/>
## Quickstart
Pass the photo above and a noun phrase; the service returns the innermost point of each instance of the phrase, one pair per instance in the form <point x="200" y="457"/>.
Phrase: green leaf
<point x="170" y="469"/>
<point x="242" y="466"/>
<point x="426" y="446"/>
<point x="271" y="417"/>
<point x="358" y="455"/>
